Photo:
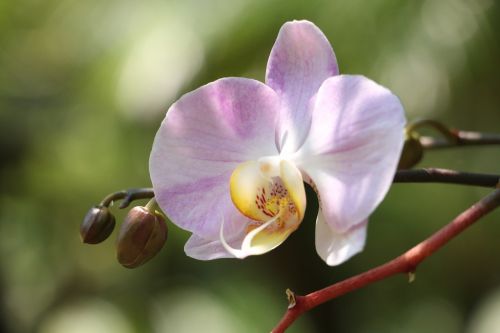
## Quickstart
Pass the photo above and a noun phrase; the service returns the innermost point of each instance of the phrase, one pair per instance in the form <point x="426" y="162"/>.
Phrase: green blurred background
<point x="83" y="88"/>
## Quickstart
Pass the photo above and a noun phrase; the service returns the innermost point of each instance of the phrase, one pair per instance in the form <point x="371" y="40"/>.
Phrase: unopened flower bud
<point x="97" y="225"/>
<point x="413" y="152"/>
<point x="141" y="237"/>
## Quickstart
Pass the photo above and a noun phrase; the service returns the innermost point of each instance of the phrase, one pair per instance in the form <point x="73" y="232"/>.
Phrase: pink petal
<point x="335" y="248"/>
<point x="301" y="59"/>
<point x="353" y="148"/>
<point x="204" y="136"/>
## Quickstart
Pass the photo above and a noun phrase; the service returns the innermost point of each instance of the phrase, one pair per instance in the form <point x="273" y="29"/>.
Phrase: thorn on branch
<point x="292" y="301"/>
<point x="411" y="276"/>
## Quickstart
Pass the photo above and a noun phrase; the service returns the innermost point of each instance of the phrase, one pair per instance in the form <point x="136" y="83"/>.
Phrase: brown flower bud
<point x="412" y="153"/>
<point x="141" y="237"/>
<point x="97" y="225"/>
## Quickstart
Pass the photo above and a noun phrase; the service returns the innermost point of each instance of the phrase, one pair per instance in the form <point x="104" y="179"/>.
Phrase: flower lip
<point x="271" y="192"/>
<point x="258" y="188"/>
<point x="246" y="247"/>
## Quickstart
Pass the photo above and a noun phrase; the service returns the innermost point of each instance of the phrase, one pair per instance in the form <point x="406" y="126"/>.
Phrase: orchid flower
<point x="230" y="159"/>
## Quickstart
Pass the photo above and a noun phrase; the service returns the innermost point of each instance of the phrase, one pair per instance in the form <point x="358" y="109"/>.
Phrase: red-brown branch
<point x="405" y="263"/>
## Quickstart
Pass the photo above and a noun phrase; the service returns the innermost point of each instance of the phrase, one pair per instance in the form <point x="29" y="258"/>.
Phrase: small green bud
<point x="141" y="237"/>
<point x="413" y="151"/>
<point x="97" y="225"/>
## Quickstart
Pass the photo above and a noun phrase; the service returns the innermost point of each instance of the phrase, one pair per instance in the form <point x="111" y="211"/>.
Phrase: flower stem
<point x="405" y="263"/>
<point x="463" y="138"/>
<point x="448" y="134"/>
<point x="451" y="137"/>
<point x="128" y="196"/>
<point x="151" y="206"/>
<point x="428" y="175"/>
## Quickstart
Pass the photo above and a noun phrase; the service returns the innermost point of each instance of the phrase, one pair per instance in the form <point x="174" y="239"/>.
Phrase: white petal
<point x="301" y="59"/>
<point x="335" y="248"/>
<point x="204" y="136"/>
<point x="351" y="153"/>
<point x="205" y="249"/>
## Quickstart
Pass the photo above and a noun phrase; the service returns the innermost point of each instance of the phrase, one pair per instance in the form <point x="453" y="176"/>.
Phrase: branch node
<point x="126" y="201"/>
<point x="290" y="295"/>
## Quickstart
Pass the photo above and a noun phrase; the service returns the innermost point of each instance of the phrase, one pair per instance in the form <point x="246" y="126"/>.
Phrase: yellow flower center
<point x="271" y="193"/>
